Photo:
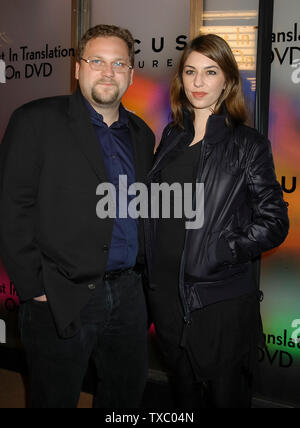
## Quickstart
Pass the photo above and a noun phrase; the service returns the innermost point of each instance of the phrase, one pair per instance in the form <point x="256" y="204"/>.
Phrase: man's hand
<point x="41" y="298"/>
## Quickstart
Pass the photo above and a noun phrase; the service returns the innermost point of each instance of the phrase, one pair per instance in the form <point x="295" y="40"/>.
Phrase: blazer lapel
<point x="173" y="146"/>
<point x="84" y="135"/>
<point x="138" y="156"/>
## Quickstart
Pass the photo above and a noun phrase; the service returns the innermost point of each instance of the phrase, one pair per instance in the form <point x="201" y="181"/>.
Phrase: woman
<point x="203" y="294"/>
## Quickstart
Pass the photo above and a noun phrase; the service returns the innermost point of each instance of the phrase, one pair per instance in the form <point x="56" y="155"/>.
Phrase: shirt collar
<point x="97" y="118"/>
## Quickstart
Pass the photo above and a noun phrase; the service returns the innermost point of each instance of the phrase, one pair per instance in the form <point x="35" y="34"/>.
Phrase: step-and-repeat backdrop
<point x="35" y="61"/>
<point x="280" y="282"/>
<point x="35" y="52"/>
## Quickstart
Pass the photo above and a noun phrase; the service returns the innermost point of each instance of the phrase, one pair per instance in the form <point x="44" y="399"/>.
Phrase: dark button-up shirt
<point x="117" y="152"/>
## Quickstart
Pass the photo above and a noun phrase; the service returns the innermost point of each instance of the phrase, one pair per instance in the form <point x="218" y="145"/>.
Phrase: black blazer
<point x="51" y="239"/>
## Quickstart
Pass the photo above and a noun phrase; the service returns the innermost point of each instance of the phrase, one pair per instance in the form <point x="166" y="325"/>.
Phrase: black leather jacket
<point x="244" y="211"/>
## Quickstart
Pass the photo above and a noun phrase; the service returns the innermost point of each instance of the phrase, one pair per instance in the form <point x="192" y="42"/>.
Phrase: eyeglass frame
<point x="90" y="61"/>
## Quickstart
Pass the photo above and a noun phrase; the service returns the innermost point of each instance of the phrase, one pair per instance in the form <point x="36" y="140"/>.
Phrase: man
<point x="77" y="274"/>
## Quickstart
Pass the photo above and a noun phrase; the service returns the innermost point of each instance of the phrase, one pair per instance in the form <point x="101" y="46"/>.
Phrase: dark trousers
<point x="230" y="390"/>
<point x="113" y="334"/>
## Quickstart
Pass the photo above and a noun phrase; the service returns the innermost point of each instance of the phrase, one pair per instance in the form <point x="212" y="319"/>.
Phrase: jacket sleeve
<point x="19" y="182"/>
<point x="270" y="223"/>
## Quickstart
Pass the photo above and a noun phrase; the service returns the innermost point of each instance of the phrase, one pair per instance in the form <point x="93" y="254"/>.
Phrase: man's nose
<point x="108" y="70"/>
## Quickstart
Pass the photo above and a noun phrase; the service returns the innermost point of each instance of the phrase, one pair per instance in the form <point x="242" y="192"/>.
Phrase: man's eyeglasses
<point x="99" y="65"/>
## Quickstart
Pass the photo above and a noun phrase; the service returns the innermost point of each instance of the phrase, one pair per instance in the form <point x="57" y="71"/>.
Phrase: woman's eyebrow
<point x="205" y="68"/>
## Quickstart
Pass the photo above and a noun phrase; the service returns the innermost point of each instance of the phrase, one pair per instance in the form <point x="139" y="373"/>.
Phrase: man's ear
<point x="77" y="68"/>
<point x="131" y="77"/>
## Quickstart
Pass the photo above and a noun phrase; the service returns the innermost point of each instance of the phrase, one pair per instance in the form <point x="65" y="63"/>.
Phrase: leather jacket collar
<point x="177" y="140"/>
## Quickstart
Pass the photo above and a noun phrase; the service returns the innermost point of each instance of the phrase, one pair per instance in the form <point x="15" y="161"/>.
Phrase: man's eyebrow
<point x="101" y="57"/>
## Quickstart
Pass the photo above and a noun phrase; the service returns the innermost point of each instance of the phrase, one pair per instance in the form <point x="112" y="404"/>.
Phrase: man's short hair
<point x="107" y="31"/>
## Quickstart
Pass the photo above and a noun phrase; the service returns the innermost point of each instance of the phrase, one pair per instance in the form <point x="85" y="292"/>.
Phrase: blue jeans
<point x="113" y="334"/>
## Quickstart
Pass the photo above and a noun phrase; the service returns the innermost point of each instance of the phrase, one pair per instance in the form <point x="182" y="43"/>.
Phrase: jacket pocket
<point x="218" y="260"/>
<point x="217" y="252"/>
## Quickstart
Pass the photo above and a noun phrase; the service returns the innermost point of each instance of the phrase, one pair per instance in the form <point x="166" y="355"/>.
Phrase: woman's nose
<point x="198" y="81"/>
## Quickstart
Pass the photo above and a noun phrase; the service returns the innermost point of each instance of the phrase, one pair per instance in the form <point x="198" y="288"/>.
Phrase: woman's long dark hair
<point x="217" y="49"/>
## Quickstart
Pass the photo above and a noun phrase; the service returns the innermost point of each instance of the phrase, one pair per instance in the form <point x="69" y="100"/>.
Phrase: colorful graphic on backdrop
<point x="280" y="275"/>
<point x="9" y="300"/>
